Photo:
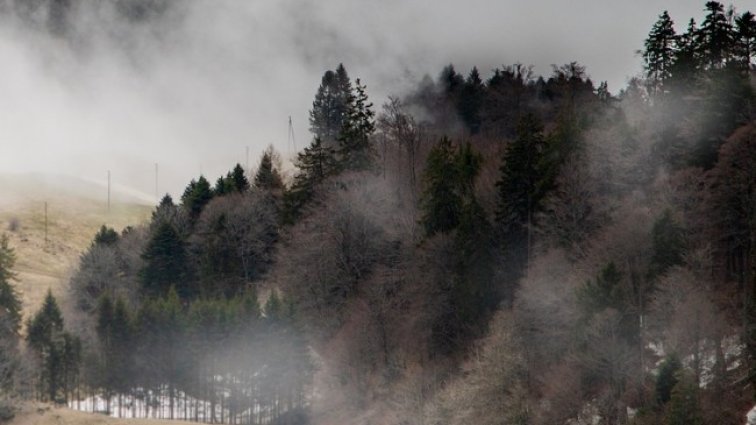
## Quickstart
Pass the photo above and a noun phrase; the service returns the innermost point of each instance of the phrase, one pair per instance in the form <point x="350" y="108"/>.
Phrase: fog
<point x="191" y="88"/>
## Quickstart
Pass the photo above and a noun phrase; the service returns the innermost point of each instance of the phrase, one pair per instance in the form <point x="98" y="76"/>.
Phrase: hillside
<point x="76" y="209"/>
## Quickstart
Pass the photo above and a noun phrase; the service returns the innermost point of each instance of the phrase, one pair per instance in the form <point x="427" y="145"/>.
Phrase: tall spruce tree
<point x="268" y="176"/>
<point x="239" y="179"/>
<point x="685" y="68"/>
<point x="715" y="38"/>
<point x="521" y="176"/>
<point x="745" y="40"/>
<point x="10" y="302"/>
<point x="355" y="150"/>
<point x="165" y="263"/>
<point x="684" y="406"/>
<point x="441" y="202"/>
<point x="196" y="195"/>
<point x="668" y="239"/>
<point x="315" y="164"/>
<point x="56" y="350"/>
<point x="330" y="107"/>
<point x="105" y="236"/>
<point x="659" y="52"/>
<point x="471" y="101"/>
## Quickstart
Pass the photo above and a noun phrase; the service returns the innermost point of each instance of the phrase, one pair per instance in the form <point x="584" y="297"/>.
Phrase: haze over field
<point x="192" y="88"/>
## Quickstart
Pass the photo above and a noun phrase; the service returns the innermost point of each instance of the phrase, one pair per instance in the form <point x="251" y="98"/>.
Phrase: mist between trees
<point x="517" y="250"/>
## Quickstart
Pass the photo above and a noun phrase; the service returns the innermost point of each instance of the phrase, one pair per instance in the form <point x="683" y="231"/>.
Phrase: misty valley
<point x="514" y="246"/>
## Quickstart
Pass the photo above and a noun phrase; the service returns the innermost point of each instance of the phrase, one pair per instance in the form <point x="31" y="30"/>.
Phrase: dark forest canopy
<point x="518" y="249"/>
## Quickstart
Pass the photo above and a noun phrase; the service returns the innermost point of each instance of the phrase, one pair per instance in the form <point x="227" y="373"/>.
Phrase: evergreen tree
<point x="106" y="236"/>
<point x="10" y="302"/>
<point x="329" y="109"/>
<point x="355" y="150"/>
<point x="238" y="179"/>
<point x="223" y="186"/>
<point x="471" y="101"/>
<point x="196" y="195"/>
<point x="715" y="40"/>
<point x="165" y="263"/>
<point x="43" y="326"/>
<point x="605" y="292"/>
<point x="107" y="365"/>
<point x="315" y="164"/>
<point x="451" y="81"/>
<point x="667" y="378"/>
<point x="687" y="61"/>
<point x="659" y="52"/>
<point x="122" y="343"/>
<point x="745" y="40"/>
<point x="520" y="185"/>
<point x="57" y="350"/>
<point x="441" y="203"/>
<point x="684" y="408"/>
<point x="268" y="176"/>
<point x="668" y="240"/>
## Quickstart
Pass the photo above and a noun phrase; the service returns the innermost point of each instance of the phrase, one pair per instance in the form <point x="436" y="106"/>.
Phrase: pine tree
<point x="315" y="164"/>
<point x="105" y="236"/>
<point x="471" y="101"/>
<point x="745" y="40"/>
<point x="121" y="340"/>
<point x="715" y="39"/>
<point x="105" y="379"/>
<point x="167" y="212"/>
<point x="48" y="339"/>
<point x="521" y="176"/>
<point x="165" y="263"/>
<point x="659" y="53"/>
<point x="604" y="292"/>
<point x="196" y="195"/>
<point x="10" y="302"/>
<point x="268" y="176"/>
<point x="608" y="291"/>
<point x="451" y="81"/>
<point x="238" y="179"/>
<point x="667" y="378"/>
<point x="684" y="70"/>
<point x="441" y="203"/>
<point x="684" y="408"/>
<point x="668" y="240"/>
<point x="329" y="109"/>
<point x="223" y="186"/>
<point x="355" y="150"/>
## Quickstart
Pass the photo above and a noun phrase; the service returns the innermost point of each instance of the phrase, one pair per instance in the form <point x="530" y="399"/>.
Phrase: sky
<point x="194" y="88"/>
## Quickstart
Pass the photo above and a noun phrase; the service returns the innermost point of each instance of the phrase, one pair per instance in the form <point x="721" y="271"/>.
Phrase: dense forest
<point x="519" y="249"/>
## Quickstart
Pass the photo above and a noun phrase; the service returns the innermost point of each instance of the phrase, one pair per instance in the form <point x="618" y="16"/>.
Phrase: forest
<point x="510" y="249"/>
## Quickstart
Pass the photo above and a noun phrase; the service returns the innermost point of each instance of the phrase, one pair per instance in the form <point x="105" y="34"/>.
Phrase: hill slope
<point x="75" y="211"/>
